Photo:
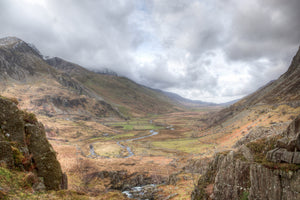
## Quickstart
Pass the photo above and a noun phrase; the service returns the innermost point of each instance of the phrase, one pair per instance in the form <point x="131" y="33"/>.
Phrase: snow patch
<point x="9" y="41"/>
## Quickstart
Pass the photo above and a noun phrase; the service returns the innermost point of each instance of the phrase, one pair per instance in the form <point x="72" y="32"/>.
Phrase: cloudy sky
<point x="211" y="50"/>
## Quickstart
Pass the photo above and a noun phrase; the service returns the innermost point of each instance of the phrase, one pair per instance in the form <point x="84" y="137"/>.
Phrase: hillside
<point x="127" y="95"/>
<point x="267" y="168"/>
<point x="186" y="102"/>
<point x="284" y="90"/>
<point x="261" y="134"/>
<point x="41" y="88"/>
<point x="57" y="87"/>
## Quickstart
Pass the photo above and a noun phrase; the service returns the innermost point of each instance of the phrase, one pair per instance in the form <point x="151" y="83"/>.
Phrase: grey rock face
<point x="6" y="155"/>
<point x="279" y="155"/>
<point x="11" y="122"/>
<point x="246" y="153"/>
<point x="234" y="178"/>
<point x="261" y="132"/>
<point x="44" y="156"/>
<point x="273" y="184"/>
<point x="288" y="147"/>
<point x="296" y="159"/>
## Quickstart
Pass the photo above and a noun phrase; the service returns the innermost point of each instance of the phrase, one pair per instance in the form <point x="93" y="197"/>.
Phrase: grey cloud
<point x="264" y="28"/>
<point x="217" y="49"/>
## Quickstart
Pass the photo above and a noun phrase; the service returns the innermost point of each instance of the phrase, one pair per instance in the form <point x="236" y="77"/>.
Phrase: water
<point x="127" y="148"/>
<point x="140" y="192"/>
<point x="130" y="153"/>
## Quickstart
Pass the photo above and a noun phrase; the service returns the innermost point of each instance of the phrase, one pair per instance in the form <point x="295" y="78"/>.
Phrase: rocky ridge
<point x="24" y="73"/>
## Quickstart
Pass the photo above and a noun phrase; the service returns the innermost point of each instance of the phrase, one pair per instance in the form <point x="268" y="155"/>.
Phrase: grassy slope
<point x="16" y="185"/>
<point x="128" y="96"/>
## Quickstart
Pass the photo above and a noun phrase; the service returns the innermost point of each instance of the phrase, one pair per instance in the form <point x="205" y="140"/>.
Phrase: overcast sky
<point x="210" y="50"/>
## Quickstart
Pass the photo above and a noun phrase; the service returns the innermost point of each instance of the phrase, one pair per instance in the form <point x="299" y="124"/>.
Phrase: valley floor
<point x="172" y="159"/>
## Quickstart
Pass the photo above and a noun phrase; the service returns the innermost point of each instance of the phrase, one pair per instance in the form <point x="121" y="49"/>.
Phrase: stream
<point x="127" y="148"/>
<point x="141" y="192"/>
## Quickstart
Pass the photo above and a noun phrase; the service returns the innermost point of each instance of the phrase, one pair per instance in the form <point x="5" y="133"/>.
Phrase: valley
<point x="116" y="139"/>
<point x="183" y="139"/>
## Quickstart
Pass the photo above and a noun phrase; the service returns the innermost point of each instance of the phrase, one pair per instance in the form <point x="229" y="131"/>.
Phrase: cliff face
<point x="255" y="170"/>
<point x="24" y="146"/>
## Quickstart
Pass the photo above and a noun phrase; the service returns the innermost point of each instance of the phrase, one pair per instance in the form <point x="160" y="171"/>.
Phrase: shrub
<point x="15" y="100"/>
<point x="31" y="178"/>
<point x="29" y="117"/>
<point x="245" y="195"/>
<point x="17" y="155"/>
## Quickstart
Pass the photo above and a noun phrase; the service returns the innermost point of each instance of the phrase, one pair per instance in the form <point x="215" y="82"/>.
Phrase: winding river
<point x="127" y="148"/>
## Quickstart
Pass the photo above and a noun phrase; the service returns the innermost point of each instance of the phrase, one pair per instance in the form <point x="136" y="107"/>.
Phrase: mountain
<point x="264" y="162"/>
<point x="43" y="89"/>
<point x="186" y="102"/>
<point x="127" y="95"/>
<point x="284" y="90"/>
<point x="55" y="87"/>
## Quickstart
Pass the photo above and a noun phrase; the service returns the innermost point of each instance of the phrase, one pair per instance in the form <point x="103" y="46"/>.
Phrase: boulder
<point x="23" y="145"/>
<point x="279" y="155"/>
<point x="44" y="156"/>
<point x="246" y="153"/>
<point x="296" y="159"/>
<point x="11" y="121"/>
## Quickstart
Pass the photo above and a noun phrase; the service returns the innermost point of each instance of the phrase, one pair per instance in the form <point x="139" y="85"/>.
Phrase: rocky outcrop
<point x="288" y="147"/>
<point x="261" y="132"/>
<point x="24" y="145"/>
<point x="273" y="184"/>
<point x="233" y="178"/>
<point x="264" y="169"/>
<point x="67" y="81"/>
<point x="54" y="104"/>
<point x="122" y="180"/>
<point x="279" y="155"/>
<point x="18" y="60"/>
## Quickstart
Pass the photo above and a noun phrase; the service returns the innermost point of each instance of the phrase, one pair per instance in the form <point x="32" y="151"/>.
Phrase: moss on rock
<point x="23" y="144"/>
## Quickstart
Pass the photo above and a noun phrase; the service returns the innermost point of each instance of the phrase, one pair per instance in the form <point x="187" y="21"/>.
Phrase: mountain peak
<point x="8" y="41"/>
<point x="16" y="44"/>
